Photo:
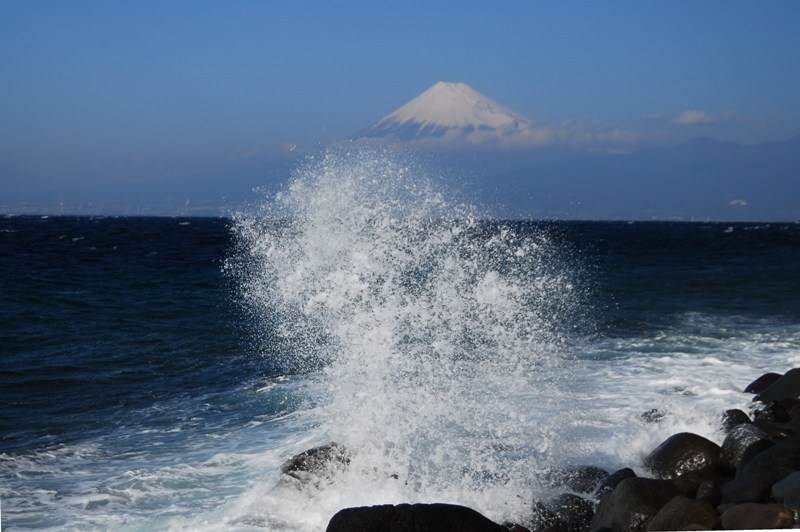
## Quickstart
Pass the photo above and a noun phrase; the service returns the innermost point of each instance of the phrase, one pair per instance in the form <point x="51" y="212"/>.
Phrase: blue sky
<point x="151" y="90"/>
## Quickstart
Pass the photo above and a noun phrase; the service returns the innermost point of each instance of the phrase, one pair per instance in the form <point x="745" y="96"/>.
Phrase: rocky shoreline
<point x="751" y="481"/>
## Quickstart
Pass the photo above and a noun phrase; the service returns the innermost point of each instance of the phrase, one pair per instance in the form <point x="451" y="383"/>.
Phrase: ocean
<point x="158" y="371"/>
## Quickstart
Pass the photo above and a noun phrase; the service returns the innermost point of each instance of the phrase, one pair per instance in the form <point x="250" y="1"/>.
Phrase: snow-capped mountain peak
<point x="452" y="105"/>
<point x="451" y="113"/>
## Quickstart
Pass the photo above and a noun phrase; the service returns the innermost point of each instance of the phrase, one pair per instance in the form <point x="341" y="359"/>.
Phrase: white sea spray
<point x="433" y="334"/>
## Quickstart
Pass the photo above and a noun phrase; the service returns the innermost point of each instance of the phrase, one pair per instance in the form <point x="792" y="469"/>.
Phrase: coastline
<point x="750" y="481"/>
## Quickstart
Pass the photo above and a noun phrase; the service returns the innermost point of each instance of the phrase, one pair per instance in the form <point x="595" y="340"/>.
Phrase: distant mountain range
<point x="703" y="179"/>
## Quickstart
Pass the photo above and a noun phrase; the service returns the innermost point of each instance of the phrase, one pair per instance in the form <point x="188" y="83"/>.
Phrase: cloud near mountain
<point x="691" y="118"/>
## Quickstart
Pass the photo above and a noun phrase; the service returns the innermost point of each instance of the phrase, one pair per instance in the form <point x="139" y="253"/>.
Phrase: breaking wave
<point x="434" y="338"/>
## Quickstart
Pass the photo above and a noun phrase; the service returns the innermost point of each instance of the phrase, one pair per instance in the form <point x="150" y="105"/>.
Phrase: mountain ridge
<point x="701" y="179"/>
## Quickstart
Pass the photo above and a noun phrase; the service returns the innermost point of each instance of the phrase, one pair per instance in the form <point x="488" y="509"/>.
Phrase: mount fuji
<point x="455" y="114"/>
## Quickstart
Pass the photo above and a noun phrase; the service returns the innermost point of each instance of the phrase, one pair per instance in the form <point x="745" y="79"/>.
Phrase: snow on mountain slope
<point x="455" y="114"/>
<point x="452" y="105"/>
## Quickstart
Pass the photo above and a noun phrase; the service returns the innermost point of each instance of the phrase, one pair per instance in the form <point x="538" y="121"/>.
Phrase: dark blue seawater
<point x="135" y="389"/>
<point x="105" y="317"/>
<point x="644" y="274"/>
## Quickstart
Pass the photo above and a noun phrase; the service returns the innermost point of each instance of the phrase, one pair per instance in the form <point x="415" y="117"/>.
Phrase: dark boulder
<point x="681" y="453"/>
<point x="753" y="516"/>
<point x="710" y="492"/>
<point x="315" y="463"/>
<point x="762" y="383"/>
<point x="653" y="415"/>
<point x="688" y="483"/>
<point x="737" y="442"/>
<point x="732" y="418"/>
<point x="753" y="451"/>
<point x="786" y="387"/>
<point x="788" y="492"/>
<point x="787" y="486"/>
<point x="775" y="431"/>
<point x="412" y="518"/>
<point x="753" y="482"/>
<point x="543" y="517"/>
<point x="680" y="513"/>
<point x="793" y="409"/>
<point x="608" y="484"/>
<point x="772" y="412"/>
<point x="580" y="479"/>
<point x="571" y="512"/>
<point x="632" y="503"/>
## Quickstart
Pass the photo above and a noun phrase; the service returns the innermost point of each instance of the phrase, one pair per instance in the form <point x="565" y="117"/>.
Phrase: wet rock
<point x="786" y="387"/>
<point x="653" y="415"/>
<point x="722" y="508"/>
<point x="632" y="503"/>
<point x="749" y="516"/>
<point x="412" y="518"/>
<point x="316" y="463"/>
<point x="571" y="512"/>
<point x="792" y="503"/>
<point x="737" y="442"/>
<point x="773" y="411"/>
<point x="775" y="431"/>
<point x="732" y="418"/>
<point x="581" y="479"/>
<point x="608" y="484"/>
<point x="788" y="485"/>
<point x="681" y="512"/>
<point x="762" y="383"/>
<point x="543" y="517"/>
<point x="681" y="453"/>
<point x="753" y="482"/>
<point x="710" y="492"/>
<point x="793" y="409"/>
<point x="753" y="451"/>
<point x="688" y="483"/>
